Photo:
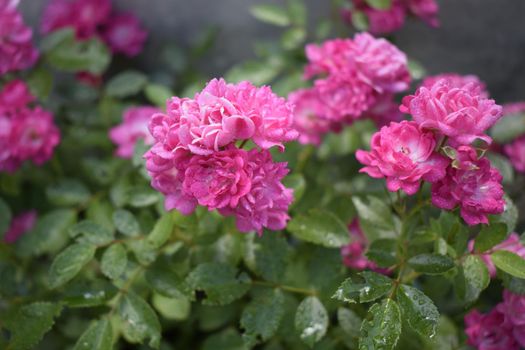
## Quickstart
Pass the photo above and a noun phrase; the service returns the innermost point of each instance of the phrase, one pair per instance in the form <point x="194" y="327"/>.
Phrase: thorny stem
<point x="284" y="287"/>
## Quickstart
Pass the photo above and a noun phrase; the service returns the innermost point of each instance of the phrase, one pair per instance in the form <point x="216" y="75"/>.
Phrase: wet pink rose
<point x="15" y="95"/>
<point x="266" y="204"/>
<point x="219" y="180"/>
<point x="427" y="10"/>
<point x="17" y="51"/>
<point x="124" y="34"/>
<point x="133" y="127"/>
<point x="222" y="114"/>
<point x="84" y="16"/>
<point x="309" y="116"/>
<point x="473" y="185"/>
<point x="460" y="113"/>
<point x="511" y="244"/>
<point x="513" y="306"/>
<point x="458" y="81"/>
<point x="516" y="153"/>
<point x="489" y="331"/>
<point x="404" y="155"/>
<point x="20" y="225"/>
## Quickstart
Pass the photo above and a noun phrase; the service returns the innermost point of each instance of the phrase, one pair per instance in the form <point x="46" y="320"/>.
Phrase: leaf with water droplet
<point x="88" y="231"/>
<point x="311" y="320"/>
<point x="139" y="321"/>
<point x="489" y="236"/>
<point x="374" y="286"/>
<point x="419" y="310"/>
<point x="114" y="261"/>
<point x="320" y="227"/>
<point x="472" y="278"/>
<point x="68" y="263"/>
<point x="349" y="321"/>
<point x="29" y="324"/>
<point x="431" y="263"/>
<point x="381" y="328"/>
<point x="126" y="223"/>
<point x="99" y="336"/>
<point x="511" y="263"/>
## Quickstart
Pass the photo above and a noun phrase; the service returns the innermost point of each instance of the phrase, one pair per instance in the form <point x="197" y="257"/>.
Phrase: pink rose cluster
<point x="445" y="113"/>
<point x="195" y="159"/>
<point x="501" y="328"/>
<point x="352" y="78"/>
<point x="385" y="21"/>
<point x="515" y="150"/>
<point x="20" y="224"/>
<point x="122" y="32"/>
<point x="134" y="127"/>
<point x="17" y="51"/>
<point x="25" y="133"/>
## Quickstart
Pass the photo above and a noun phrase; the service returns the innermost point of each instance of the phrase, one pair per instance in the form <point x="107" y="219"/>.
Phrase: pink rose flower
<point x="84" y="16"/>
<point x="133" y="127"/>
<point x="460" y="113"/>
<point x="489" y="331"/>
<point x="404" y="155"/>
<point x="266" y="204"/>
<point x="513" y="306"/>
<point x="427" y="10"/>
<point x="516" y="153"/>
<point x="124" y="34"/>
<point x="309" y="115"/>
<point x="219" y="180"/>
<point x="25" y="133"/>
<point x="379" y="21"/>
<point x="473" y="185"/>
<point x="513" y="108"/>
<point x="458" y="81"/>
<point x="16" y="40"/>
<point x="384" y="111"/>
<point x="20" y="225"/>
<point x="222" y="114"/>
<point x="511" y="244"/>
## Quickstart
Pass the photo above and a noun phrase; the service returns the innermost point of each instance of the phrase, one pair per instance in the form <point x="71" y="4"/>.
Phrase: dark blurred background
<point x="482" y="37"/>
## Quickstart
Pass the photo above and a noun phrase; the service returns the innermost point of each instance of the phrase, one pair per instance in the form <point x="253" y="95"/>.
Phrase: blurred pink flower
<point x="427" y="10"/>
<point x="124" y="34"/>
<point x="460" y="113"/>
<point x="17" y="51"/>
<point x="404" y="155"/>
<point x="489" y="331"/>
<point x="20" y="224"/>
<point x="516" y="153"/>
<point x="353" y="254"/>
<point x="473" y="185"/>
<point x="133" y="127"/>
<point x="513" y="306"/>
<point x="458" y="81"/>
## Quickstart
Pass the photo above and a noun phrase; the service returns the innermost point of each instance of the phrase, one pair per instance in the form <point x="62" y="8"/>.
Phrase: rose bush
<point x="323" y="195"/>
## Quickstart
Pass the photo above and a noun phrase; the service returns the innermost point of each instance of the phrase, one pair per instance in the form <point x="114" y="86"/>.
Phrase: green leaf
<point x="382" y="327"/>
<point x="177" y="309"/>
<point x="297" y="12"/>
<point x="158" y="94"/>
<point x="298" y="184"/>
<point x="262" y="317"/>
<point x="142" y="197"/>
<point x="489" y="236"/>
<point x="473" y="278"/>
<point x="5" y="217"/>
<point x="139" y="321"/>
<point x="165" y="282"/>
<point x="320" y="227"/>
<point x="258" y="73"/>
<point x="416" y="69"/>
<point x="126" y="223"/>
<point x="161" y="231"/>
<point x="82" y="293"/>
<point x="509" y="262"/>
<point x="509" y="215"/>
<point x="504" y="166"/>
<point x="374" y="286"/>
<point x="271" y="14"/>
<point x="509" y="128"/>
<point x="360" y="20"/>
<point x="228" y="339"/>
<point x="267" y="256"/>
<point x="311" y="320"/>
<point x="99" y="336"/>
<point x="68" y="192"/>
<point x="293" y="38"/>
<point x="114" y="261"/>
<point x="40" y="83"/>
<point x="419" y="310"/>
<point x="431" y="263"/>
<point x="383" y="252"/>
<point x="375" y="217"/>
<point x="125" y="84"/>
<point x="380" y="4"/>
<point x="68" y="263"/>
<point x="88" y="231"/>
<point x="349" y="321"/>
<point x="218" y="282"/>
<point x="30" y="323"/>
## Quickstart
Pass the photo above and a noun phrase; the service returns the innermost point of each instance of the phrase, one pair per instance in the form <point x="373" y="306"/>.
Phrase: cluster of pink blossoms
<point x="515" y="150"/>
<point x="16" y="45"/>
<point x="122" y="32"/>
<point x="195" y="159"/>
<point x="389" y="20"/>
<point x="25" y="133"/>
<point x="134" y="127"/>
<point x="353" y="77"/>
<point x="501" y="328"/>
<point x="450" y="113"/>
<point x="20" y="224"/>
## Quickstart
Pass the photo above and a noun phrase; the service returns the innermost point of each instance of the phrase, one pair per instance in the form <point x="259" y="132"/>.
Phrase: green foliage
<point x="311" y="320"/>
<point x="139" y="321"/>
<point x="419" y="310"/>
<point x="431" y="263"/>
<point x="68" y="263"/>
<point x="382" y="326"/>
<point x="126" y="84"/>
<point x="271" y="14"/>
<point x="373" y="287"/>
<point x="114" y="261"/>
<point x="99" y="336"/>
<point x="320" y="227"/>
<point x="509" y="262"/>
<point x="489" y="236"/>
<point x="472" y="279"/>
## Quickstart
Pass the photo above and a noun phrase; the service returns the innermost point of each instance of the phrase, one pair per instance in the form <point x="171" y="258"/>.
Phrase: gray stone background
<point x="482" y="37"/>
